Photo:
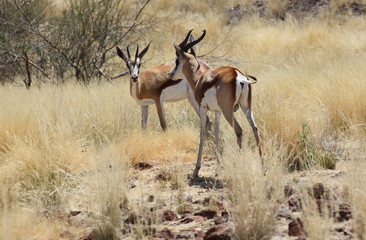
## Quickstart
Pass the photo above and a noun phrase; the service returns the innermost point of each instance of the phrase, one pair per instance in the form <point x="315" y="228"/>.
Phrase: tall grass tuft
<point x="254" y="197"/>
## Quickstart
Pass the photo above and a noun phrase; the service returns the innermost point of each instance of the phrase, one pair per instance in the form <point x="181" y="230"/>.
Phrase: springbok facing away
<point x="217" y="90"/>
<point x="154" y="86"/>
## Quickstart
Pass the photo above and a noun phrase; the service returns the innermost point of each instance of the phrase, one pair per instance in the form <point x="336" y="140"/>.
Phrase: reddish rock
<point x="209" y="214"/>
<point x="143" y="165"/>
<point x="344" y="212"/>
<point x="169" y="215"/>
<point x="218" y="233"/>
<point x="189" y="219"/>
<point x="289" y="191"/>
<point x="296" y="228"/>
<point x="131" y="219"/>
<point x="164" y="176"/>
<point x="318" y="191"/>
<point x="324" y="204"/>
<point x="219" y="220"/>
<point x="166" y="233"/>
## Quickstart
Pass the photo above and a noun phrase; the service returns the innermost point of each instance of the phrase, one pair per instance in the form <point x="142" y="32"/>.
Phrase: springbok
<point x="154" y="86"/>
<point x="216" y="90"/>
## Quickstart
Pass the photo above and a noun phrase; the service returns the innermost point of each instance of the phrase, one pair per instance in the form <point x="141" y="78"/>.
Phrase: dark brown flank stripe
<point x="169" y="84"/>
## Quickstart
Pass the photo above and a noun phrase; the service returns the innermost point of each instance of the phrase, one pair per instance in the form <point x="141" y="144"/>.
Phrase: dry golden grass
<point x="254" y="197"/>
<point x="308" y="73"/>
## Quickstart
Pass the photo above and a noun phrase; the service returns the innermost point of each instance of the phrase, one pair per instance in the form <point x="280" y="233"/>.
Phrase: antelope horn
<point x="182" y="44"/>
<point x="137" y="52"/>
<point x="128" y="51"/>
<point x="191" y="44"/>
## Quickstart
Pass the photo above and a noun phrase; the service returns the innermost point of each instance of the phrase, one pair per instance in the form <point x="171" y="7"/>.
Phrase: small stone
<point x="219" y="220"/>
<point x="131" y="219"/>
<point x="190" y="219"/>
<point x="283" y="212"/>
<point x="151" y="198"/>
<point x="218" y="233"/>
<point x="169" y="215"/>
<point x="318" y="190"/>
<point x="296" y="228"/>
<point x="209" y="214"/>
<point x="166" y="233"/>
<point x="225" y="215"/>
<point x="344" y="212"/>
<point x="143" y="165"/>
<point x="74" y="213"/>
<point x="187" y="197"/>
<point x="164" y="176"/>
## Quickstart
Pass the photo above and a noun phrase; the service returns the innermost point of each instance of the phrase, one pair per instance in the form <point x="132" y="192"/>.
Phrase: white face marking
<point x="134" y="69"/>
<point x="177" y="72"/>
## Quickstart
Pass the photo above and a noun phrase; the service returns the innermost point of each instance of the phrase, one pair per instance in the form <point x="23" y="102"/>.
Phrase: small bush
<point x="309" y="154"/>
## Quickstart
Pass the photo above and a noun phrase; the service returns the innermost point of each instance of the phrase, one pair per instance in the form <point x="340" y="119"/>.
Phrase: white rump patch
<point x="243" y="79"/>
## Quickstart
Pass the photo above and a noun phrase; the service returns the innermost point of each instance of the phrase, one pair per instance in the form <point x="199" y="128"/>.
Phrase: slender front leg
<point x="217" y="134"/>
<point x="161" y="113"/>
<point x="195" y="106"/>
<point x="145" y="116"/>
<point x="203" y="117"/>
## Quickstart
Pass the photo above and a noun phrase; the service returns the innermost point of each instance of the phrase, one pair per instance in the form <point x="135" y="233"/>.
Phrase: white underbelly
<point x="209" y="100"/>
<point x="177" y="92"/>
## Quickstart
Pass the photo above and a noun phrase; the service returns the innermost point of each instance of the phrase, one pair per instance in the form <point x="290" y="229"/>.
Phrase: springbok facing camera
<point x="217" y="90"/>
<point x="154" y="86"/>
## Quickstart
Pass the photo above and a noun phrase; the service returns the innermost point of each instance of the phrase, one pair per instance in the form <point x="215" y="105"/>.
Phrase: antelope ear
<point x="120" y="54"/>
<point x="192" y="51"/>
<point x="178" y="51"/>
<point x="141" y="55"/>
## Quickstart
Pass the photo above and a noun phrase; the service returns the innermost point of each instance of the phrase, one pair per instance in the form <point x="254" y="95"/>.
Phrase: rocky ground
<point x="170" y="205"/>
<point x="300" y="9"/>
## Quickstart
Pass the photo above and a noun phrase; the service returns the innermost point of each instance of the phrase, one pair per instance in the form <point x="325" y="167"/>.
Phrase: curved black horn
<point x="191" y="44"/>
<point x="128" y="51"/>
<point x="137" y="52"/>
<point x="144" y="51"/>
<point x="182" y="44"/>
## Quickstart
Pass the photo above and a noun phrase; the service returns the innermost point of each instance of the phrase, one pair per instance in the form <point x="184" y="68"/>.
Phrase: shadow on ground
<point x="205" y="182"/>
